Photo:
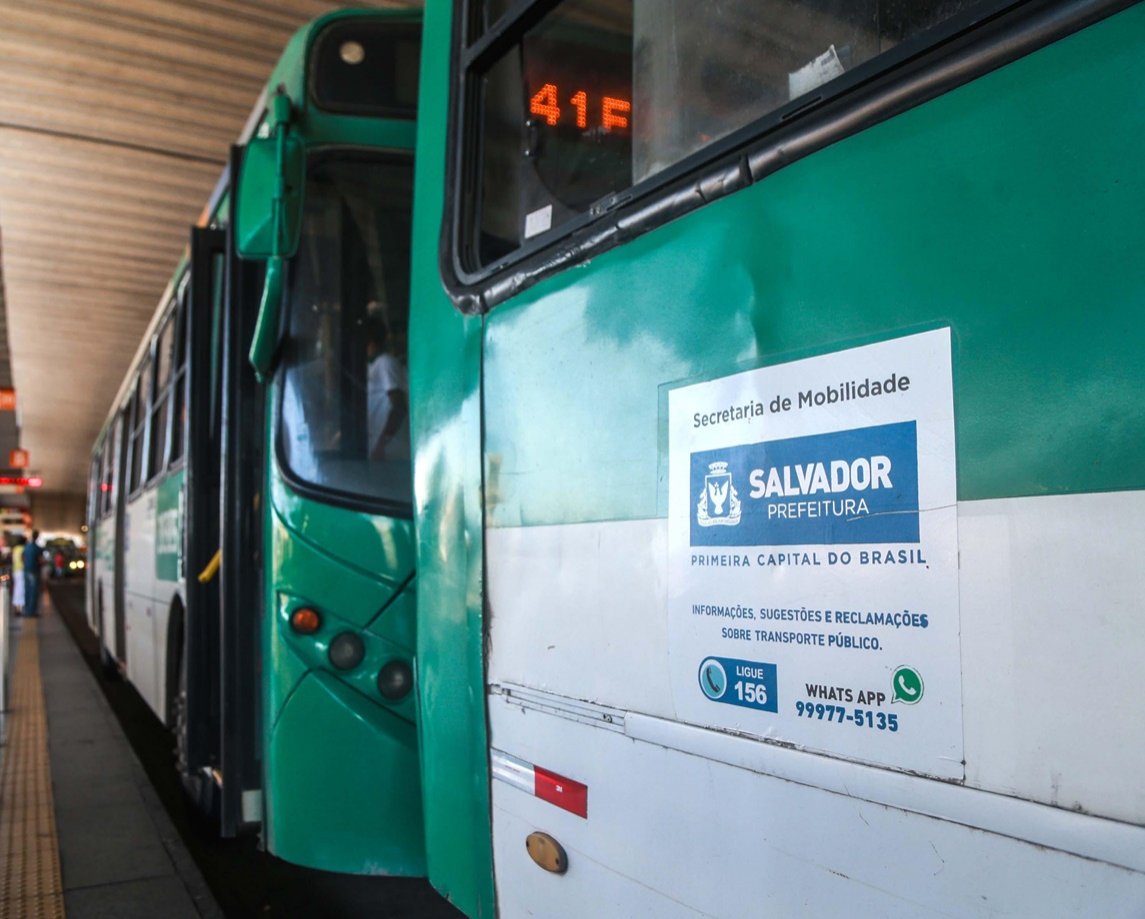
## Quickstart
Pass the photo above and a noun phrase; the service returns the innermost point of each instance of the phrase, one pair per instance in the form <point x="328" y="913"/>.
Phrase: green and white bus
<point x="253" y="559"/>
<point x="780" y="457"/>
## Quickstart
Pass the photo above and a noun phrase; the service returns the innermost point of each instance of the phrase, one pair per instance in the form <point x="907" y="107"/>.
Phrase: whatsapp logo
<point x="906" y="685"/>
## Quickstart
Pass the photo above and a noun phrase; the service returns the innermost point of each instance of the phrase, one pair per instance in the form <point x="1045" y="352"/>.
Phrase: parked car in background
<point x="65" y="558"/>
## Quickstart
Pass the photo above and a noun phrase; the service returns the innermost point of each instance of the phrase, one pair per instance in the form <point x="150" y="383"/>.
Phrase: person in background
<point x="387" y="389"/>
<point x="33" y="557"/>
<point x="18" y="592"/>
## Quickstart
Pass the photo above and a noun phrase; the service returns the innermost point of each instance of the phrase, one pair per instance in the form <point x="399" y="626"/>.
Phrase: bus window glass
<point x="95" y="496"/>
<point x="111" y="467"/>
<point x="181" y="329"/>
<point x="707" y="69"/>
<point x="140" y="418"/>
<point x="164" y="352"/>
<point x="344" y="410"/>
<point x="105" y="474"/>
<point x="179" y="380"/>
<point x="158" y="448"/>
<point x="178" y="420"/>
<point x="494" y="10"/>
<point x="146" y="407"/>
<point x="143" y="389"/>
<point x="557" y="125"/>
<point x="598" y="96"/>
<point x="139" y="425"/>
<point x="164" y="360"/>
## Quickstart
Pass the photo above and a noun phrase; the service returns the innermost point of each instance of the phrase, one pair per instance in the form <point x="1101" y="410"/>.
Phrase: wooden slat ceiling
<point x="115" y="121"/>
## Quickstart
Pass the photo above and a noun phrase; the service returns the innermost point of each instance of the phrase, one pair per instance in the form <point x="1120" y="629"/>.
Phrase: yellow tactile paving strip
<point x="30" y="885"/>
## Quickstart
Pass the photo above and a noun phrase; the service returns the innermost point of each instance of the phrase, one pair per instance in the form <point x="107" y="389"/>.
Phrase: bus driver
<point x="387" y="389"/>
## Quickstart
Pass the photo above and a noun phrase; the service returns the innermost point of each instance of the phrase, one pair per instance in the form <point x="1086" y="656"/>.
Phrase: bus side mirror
<point x="268" y="214"/>
<point x="268" y="219"/>
<point x="264" y="343"/>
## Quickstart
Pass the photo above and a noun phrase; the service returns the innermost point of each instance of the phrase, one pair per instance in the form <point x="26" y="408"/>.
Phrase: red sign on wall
<point x="18" y="459"/>
<point x="7" y="399"/>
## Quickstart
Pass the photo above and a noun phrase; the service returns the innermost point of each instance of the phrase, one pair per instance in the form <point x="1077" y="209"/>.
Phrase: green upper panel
<point x="1009" y="209"/>
<point x="318" y="125"/>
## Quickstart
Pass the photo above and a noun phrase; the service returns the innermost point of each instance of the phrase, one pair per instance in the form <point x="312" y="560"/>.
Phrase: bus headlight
<point x="395" y="679"/>
<point x="346" y="651"/>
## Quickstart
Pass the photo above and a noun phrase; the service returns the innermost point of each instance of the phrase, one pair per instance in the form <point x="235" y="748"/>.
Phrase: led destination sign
<point x="607" y="113"/>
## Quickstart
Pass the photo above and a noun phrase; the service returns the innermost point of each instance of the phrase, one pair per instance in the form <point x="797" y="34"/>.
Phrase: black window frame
<point x="136" y="444"/>
<point x="951" y="54"/>
<point x="159" y="446"/>
<point x="177" y="451"/>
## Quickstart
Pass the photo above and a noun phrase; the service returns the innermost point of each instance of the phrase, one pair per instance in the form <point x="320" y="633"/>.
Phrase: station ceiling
<point x="116" y="117"/>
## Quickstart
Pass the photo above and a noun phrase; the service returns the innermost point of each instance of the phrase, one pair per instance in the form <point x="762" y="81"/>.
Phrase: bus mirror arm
<point x="264" y="343"/>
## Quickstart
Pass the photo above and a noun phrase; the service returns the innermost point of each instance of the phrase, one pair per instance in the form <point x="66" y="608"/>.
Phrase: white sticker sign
<point x="813" y="555"/>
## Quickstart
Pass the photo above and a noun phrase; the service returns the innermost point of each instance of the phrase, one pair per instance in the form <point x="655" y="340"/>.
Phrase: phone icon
<point x="906" y="685"/>
<point x="713" y="679"/>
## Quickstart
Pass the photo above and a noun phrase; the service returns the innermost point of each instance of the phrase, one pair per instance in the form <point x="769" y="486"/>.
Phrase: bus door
<point x="240" y="463"/>
<point x="119" y="602"/>
<point x="197" y="730"/>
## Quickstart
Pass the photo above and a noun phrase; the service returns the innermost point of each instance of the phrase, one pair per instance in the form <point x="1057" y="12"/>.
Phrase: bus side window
<point x="140" y="407"/>
<point x="572" y="145"/>
<point x="164" y="352"/>
<point x="111" y="465"/>
<point x="595" y="96"/>
<point x="105" y="473"/>
<point x="179" y="380"/>
<point x="95" y="477"/>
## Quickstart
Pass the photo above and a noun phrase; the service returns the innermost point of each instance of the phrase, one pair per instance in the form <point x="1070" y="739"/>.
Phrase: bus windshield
<point x="344" y="418"/>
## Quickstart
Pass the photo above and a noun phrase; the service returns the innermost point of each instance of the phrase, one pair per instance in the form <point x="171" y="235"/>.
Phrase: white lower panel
<point x="148" y="605"/>
<point x="141" y="650"/>
<point x="672" y="834"/>
<point x="1051" y="637"/>
<point x="588" y="889"/>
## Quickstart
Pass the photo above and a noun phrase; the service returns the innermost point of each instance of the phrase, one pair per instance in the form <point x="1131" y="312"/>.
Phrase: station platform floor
<point x="82" y="831"/>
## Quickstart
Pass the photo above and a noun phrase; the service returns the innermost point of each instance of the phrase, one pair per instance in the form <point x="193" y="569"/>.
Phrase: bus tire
<point x="198" y="787"/>
<point x="173" y="679"/>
